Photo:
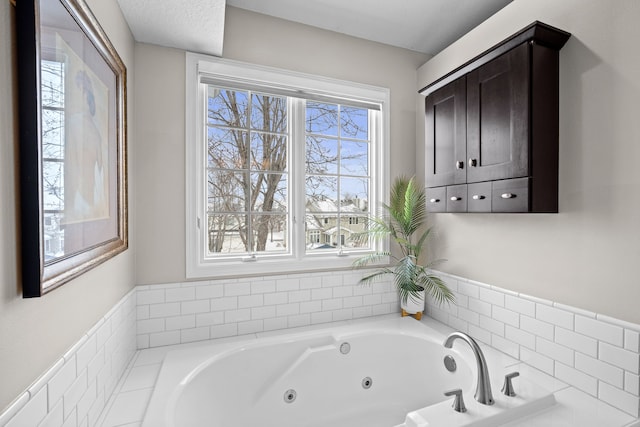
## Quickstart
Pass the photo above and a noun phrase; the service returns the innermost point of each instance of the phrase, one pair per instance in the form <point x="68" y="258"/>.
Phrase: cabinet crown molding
<point x="537" y="32"/>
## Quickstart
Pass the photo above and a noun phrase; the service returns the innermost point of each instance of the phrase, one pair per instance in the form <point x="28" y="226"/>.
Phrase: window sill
<point x="269" y="267"/>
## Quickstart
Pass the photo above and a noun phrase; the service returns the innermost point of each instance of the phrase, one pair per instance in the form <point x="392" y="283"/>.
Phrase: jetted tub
<point x="374" y="374"/>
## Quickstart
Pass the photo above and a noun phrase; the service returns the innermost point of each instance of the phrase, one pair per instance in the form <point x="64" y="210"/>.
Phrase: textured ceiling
<point x="193" y="25"/>
<point x="426" y="26"/>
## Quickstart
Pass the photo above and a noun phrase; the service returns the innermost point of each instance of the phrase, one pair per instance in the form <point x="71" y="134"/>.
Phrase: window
<point x="314" y="236"/>
<point x="337" y="179"/>
<point x="247" y="173"/>
<point x="281" y="167"/>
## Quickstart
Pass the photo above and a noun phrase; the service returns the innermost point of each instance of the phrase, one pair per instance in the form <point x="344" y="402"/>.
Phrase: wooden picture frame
<point x="72" y="143"/>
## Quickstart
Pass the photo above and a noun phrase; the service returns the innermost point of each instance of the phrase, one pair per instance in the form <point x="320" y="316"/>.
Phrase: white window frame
<point x="239" y="74"/>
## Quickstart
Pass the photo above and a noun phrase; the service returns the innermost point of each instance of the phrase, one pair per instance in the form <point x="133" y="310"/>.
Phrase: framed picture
<point x="72" y="143"/>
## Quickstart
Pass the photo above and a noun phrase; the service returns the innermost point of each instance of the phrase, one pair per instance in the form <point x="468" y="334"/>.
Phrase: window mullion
<point x="248" y="209"/>
<point x="339" y="181"/>
<point x="297" y="174"/>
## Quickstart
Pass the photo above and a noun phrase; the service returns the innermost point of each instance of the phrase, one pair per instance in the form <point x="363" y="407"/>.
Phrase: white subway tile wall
<point x="74" y="391"/>
<point x="177" y="313"/>
<point x="597" y="354"/>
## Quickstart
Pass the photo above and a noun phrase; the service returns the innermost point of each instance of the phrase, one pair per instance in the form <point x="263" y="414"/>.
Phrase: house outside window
<point x="281" y="167"/>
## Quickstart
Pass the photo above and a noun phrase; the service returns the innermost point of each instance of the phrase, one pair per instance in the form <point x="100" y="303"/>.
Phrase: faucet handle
<point x="458" y="401"/>
<point x="507" y="388"/>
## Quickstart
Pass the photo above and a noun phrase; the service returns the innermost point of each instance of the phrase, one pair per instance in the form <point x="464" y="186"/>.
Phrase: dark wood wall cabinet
<point x="492" y="128"/>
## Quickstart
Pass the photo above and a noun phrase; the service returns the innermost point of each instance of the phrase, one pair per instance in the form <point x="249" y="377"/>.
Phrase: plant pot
<point x="413" y="305"/>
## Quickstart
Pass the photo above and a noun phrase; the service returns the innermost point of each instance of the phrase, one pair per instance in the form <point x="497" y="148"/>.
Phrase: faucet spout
<point x="483" y="389"/>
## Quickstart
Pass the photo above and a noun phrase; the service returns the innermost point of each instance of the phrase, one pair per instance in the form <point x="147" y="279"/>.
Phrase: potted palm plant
<point x="403" y="221"/>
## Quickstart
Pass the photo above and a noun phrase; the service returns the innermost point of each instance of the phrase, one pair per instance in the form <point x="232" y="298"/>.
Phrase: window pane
<point x="269" y="233"/>
<point x="321" y="155"/>
<point x="356" y="224"/>
<point x="226" y="191"/>
<point x="269" y="192"/>
<point x="336" y="218"/>
<point x="227" y="233"/>
<point x="354" y="194"/>
<point x="247" y="172"/>
<point x="354" y="122"/>
<point x="52" y="85"/>
<point x="322" y="118"/>
<point x="268" y="152"/>
<point x="227" y="107"/>
<point x="227" y="149"/>
<point x="354" y="158"/>
<point x="52" y="134"/>
<point x="316" y="226"/>
<point x="53" y="235"/>
<point x="53" y="185"/>
<point x="322" y="193"/>
<point x="269" y="113"/>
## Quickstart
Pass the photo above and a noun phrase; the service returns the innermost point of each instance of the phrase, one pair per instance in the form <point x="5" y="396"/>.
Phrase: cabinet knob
<point x="473" y="163"/>
<point x="459" y="165"/>
<point x="455" y="198"/>
<point x="508" y="195"/>
<point x="434" y="200"/>
<point x="478" y="197"/>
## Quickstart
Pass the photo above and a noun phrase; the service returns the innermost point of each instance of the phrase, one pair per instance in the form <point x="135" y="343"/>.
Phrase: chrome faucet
<point x="483" y="389"/>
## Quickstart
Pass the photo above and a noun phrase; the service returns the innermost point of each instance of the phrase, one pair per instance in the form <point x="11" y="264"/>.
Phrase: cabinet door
<point x="446" y="135"/>
<point x="498" y="117"/>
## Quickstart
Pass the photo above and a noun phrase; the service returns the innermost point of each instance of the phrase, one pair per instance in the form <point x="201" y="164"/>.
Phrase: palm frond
<point x="375" y="277"/>
<point x="437" y="289"/>
<point x="397" y="200"/>
<point x="403" y="207"/>
<point x="367" y="259"/>
<point x="375" y="229"/>
<point x="417" y="248"/>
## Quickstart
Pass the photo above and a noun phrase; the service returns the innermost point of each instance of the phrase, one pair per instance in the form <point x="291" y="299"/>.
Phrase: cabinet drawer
<point x="436" y="199"/>
<point x="510" y="195"/>
<point x="457" y="198"/>
<point x="479" y="197"/>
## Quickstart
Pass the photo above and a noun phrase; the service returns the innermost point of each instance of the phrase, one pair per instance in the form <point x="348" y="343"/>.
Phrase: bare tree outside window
<point x="247" y="171"/>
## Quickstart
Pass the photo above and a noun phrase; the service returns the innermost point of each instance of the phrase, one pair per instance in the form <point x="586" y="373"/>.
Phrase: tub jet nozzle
<point x="290" y="395"/>
<point x="345" y="348"/>
<point x="367" y="382"/>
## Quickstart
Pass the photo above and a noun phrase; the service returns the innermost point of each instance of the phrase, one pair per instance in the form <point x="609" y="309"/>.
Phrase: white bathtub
<point x="392" y="369"/>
